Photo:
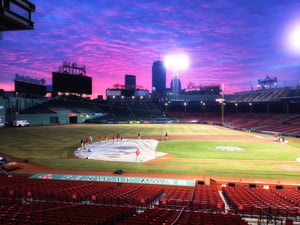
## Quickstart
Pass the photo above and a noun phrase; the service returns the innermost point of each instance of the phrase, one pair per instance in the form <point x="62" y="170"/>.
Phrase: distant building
<point x="158" y="79"/>
<point x="175" y="84"/>
<point x="117" y="93"/>
<point x="130" y="81"/>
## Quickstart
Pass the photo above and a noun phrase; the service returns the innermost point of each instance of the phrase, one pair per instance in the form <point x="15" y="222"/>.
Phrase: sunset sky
<point x="230" y="42"/>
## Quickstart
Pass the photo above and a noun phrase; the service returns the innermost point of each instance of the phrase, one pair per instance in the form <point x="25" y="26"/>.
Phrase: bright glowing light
<point x="177" y="61"/>
<point x="293" y="38"/>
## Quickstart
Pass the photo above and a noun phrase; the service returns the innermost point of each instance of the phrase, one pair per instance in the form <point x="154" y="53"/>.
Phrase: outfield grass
<point x="50" y="145"/>
<point x="207" y="150"/>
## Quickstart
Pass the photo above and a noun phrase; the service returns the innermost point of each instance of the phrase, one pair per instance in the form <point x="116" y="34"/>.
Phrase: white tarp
<point x="118" y="150"/>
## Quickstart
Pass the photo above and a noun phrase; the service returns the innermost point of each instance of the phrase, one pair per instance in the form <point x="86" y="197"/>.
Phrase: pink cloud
<point x="228" y="42"/>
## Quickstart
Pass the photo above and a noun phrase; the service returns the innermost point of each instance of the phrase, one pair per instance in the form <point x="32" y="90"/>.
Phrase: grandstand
<point x="65" y="107"/>
<point x="28" y="200"/>
<point x="265" y="95"/>
<point x="271" y="111"/>
<point x="133" y="109"/>
<point x="267" y="111"/>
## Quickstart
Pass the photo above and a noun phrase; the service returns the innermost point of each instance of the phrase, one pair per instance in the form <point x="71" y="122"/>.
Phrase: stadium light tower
<point x="185" y="104"/>
<point x="176" y="63"/>
<point x="166" y="105"/>
<point x="236" y="107"/>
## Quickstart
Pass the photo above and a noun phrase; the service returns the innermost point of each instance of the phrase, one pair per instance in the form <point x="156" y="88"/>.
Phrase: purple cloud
<point x="228" y="42"/>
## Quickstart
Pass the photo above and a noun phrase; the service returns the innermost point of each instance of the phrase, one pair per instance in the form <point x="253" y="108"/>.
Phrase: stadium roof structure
<point x="266" y="95"/>
<point x="16" y="15"/>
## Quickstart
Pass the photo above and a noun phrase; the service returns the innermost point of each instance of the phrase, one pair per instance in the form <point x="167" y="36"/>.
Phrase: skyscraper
<point x="158" y="79"/>
<point x="130" y="81"/>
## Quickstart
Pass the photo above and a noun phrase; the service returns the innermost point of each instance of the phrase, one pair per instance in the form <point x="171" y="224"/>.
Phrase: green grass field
<point x="53" y="146"/>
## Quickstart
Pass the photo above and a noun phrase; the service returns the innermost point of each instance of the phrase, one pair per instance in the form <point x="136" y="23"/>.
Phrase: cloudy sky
<point x="230" y="42"/>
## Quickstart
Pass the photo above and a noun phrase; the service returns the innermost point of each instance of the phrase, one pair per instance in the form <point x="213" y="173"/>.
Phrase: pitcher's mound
<point x="124" y="151"/>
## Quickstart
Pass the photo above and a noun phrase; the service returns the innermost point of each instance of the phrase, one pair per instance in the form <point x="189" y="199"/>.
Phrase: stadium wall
<point x="44" y="119"/>
<point x="55" y="118"/>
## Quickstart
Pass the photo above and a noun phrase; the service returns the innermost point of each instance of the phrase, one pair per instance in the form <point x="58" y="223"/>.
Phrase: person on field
<point x="162" y="136"/>
<point x="137" y="154"/>
<point x="87" y="141"/>
<point x="166" y="136"/>
<point x="276" y="137"/>
<point x="82" y="142"/>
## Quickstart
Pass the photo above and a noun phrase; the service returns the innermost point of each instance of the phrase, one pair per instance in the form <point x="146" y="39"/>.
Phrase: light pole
<point x="185" y="109"/>
<point x="250" y="105"/>
<point x="236" y="107"/>
<point x="202" y="104"/>
<point x="166" y="107"/>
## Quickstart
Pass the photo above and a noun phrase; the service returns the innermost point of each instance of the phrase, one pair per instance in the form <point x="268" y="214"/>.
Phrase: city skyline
<point x="227" y="42"/>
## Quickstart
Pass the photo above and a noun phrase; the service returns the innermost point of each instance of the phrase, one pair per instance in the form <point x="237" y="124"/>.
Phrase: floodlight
<point x="294" y="38"/>
<point x="177" y="61"/>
